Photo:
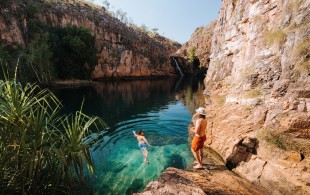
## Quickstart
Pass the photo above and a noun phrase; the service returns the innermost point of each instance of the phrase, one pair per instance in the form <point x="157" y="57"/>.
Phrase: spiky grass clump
<point x="41" y="152"/>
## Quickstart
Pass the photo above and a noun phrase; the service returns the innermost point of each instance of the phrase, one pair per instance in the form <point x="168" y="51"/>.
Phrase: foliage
<point x="106" y="4"/>
<point x="34" y="61"/>
<point x="39" y="58"/>
<point x="191" y="54"/>
<point x="282" y="141"/>
<point x="10" y="54"/>
<point x="273" y="138"/>
<point x="122" y="16"/>
<point x="302" y="52"/>
<point x="144" y="28"/>
<point x="302" y="49"/>
<point x="74" y="52"/>
<point x="4" y="53"/>
<point x="34" y="25"/>
<point x="40" y="152"/>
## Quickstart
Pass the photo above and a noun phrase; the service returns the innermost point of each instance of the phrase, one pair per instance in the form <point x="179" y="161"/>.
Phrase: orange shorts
<point x="198" y="142"/>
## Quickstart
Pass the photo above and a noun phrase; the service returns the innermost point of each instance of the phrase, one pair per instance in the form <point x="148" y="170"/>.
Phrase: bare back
<point x="201" y="126"/>
<point x="141" y="139"/>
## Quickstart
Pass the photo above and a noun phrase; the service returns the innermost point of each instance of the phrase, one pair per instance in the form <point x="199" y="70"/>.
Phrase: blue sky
<point x="174" y="19"/>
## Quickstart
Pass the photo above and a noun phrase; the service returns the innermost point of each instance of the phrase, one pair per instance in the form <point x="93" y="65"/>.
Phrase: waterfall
<point x="177" y="64"/>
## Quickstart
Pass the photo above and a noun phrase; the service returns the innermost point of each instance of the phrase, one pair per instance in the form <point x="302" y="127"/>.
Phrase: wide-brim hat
<point x="201" y="111"/>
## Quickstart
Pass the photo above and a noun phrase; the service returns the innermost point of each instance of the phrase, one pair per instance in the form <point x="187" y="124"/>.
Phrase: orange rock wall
<point x="123" y="51"/>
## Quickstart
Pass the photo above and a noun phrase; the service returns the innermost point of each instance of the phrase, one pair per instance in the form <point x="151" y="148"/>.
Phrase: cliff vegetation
<point x="69" y="39"/>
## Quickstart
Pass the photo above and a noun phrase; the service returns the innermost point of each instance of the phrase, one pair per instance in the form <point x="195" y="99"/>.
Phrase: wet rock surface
<point x="213" y="178"/>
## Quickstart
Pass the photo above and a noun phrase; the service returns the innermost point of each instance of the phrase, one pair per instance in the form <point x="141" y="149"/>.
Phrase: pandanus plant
<point x="41" y="152"/>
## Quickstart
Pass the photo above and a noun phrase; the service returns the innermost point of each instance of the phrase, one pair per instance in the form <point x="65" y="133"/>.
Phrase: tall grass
<point x="40" y="151"/>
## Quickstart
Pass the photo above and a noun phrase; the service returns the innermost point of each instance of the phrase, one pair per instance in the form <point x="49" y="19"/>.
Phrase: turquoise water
<point x="154" y="106"/>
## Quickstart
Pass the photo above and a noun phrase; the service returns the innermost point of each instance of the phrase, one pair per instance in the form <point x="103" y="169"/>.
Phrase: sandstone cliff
<point x="259" y="77"/>
<point x="194" y="55"/>
<point x="123" y="51"/>
<point x="199" y="45"/>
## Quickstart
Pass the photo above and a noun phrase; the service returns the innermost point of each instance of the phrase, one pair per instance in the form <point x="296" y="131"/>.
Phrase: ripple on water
<point x="118" y="158"/>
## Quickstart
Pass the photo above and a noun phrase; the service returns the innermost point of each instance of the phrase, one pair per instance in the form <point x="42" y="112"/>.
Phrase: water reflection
<point x="162" y="108"/>
<point x="120" y="100"/>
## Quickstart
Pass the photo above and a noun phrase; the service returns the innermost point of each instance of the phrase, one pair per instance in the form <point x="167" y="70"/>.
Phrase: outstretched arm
<point x="134" y="133"/>
<point x="146" y="141"/>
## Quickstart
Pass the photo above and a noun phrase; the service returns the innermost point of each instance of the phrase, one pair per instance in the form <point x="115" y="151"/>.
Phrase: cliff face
<point x="198" y="45"/>
<point x="122" y="51"/>
<point x="194" y="55"/>
<point x="259" y="76"/>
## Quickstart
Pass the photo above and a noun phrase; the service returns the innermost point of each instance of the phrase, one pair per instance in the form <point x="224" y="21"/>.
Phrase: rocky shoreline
<point x="214" y="178"/>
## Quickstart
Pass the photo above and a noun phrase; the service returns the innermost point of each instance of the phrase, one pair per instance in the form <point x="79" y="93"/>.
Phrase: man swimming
<point x="143" y="144"/>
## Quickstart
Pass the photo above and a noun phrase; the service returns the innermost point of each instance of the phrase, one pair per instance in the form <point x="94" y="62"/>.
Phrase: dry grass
<point x="284" y="142"/>
<point x="247" y="72"/>
<point x="302" y="49"/>
<point x="221" y="100"/>
<point x="257" y="18"/>
<point x="247" y="108"/>
<point x="275" y="37"/>
<point x="218" y="64"/>
<point x="303" y="67"/>
<point x="276" y="139"/>
<point x="301" y="52"/>
<point x="292" y="6"/>
<point x="253" y="93"/>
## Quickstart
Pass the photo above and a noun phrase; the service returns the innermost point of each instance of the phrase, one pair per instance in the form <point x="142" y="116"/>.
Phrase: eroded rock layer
<point x="259" y="77"/>
<point x="123" y="51"/>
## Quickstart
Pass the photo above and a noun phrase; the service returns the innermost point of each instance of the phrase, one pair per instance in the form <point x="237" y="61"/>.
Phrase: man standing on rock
<point x="199" y="129"/>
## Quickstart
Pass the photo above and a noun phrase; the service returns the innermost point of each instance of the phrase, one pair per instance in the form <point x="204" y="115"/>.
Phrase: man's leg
<point x="196" y="156"/>
<point x="145" y="155"/>
<point x="200" y="154"/>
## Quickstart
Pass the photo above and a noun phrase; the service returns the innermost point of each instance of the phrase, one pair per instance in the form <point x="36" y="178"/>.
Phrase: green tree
<point x="4" y="53"/>
<point x="155" y="30"/>
<point x="122" y="16"/>
<point x="106" y="4"/>
<point x="39" y="59"/>
<point x="191" y="54"/>
<point x="74" y="52"/>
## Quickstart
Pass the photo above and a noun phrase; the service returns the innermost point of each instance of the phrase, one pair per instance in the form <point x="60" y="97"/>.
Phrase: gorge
<point x="123" y="52"/>
<point x="255" y="60"/>
<point x="259" y="78"/>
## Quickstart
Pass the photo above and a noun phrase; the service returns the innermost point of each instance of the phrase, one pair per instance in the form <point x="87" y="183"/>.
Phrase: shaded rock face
<point x="199" y="46"/>
<point x="259" y="80"/>
<point x="122" y="51"/>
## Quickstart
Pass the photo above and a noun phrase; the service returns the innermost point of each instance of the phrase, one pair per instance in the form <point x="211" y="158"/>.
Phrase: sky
<point x="174" y="19"/>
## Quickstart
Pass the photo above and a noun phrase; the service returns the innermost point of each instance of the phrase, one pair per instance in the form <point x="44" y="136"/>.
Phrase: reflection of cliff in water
<point x="192" y="94"/>
<point x="121" y="100"/>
